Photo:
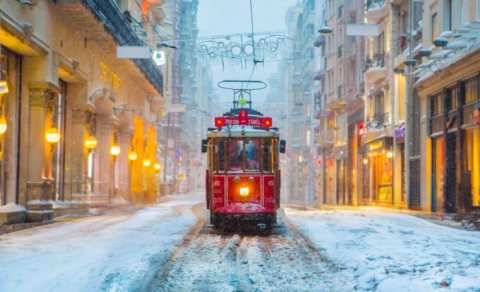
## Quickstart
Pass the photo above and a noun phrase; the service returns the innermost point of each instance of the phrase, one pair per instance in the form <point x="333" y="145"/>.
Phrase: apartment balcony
<point x="378" y="126"/>
<point x="108" y="13"/>
<point x="336" y="105"/>
<point x="376" y="10"/>
<point x="375" y="69"/>
<point x="319" y="74"/>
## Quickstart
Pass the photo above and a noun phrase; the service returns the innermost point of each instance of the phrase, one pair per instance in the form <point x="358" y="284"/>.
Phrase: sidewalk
<point x="454" y="220"/>
<point x="112" y="209"/>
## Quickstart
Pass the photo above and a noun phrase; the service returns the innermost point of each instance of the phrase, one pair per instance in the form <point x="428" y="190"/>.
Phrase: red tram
<point x="243" y="175"/>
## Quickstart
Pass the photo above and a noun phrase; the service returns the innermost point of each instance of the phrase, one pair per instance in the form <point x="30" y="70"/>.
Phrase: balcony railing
<point x="108" y="12"/>
<point x="374" y="4"/>
<point x="379" y="120"/>
<point x="377" y="60"/>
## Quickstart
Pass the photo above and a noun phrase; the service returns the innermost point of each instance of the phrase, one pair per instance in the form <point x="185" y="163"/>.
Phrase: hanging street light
<point x="132" y="155"/>
<point x="146" y="162"/>
<point x="115" y="150"/>
<point x="90" y="143"/>
<point x="156" y="166"/>
<point x="52" y="135"/>
<point x="3" y="125"/>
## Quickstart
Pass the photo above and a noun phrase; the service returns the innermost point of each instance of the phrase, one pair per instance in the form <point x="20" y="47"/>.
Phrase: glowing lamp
<point x="146" y="162"/>
<point x="390" y="154"/>
<point x="115" y="150"/>
<point x="3" y="87"/>
<point x="90" y="142"/>
<point x="132" y="155"/>
<point x="219" y="122"/>
<point x="156" y="166"/>
<point x="3" y="125"/>
<point x="52" y="135"/>
<point x="267" y="122"/>
<point x="365" y="161"/>
<point x="244" y="191"/>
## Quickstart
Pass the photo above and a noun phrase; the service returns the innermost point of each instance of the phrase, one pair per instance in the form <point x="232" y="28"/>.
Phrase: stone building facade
<point x="59" y="62"/>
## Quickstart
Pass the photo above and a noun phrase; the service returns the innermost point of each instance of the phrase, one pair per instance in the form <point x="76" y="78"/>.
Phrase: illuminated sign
<point x="376" y="145"/>
<point x="243" y="120"/>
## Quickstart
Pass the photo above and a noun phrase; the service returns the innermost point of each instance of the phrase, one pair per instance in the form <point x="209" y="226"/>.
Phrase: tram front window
<point x="252" y="153"/>
<point x="243" y="155"/>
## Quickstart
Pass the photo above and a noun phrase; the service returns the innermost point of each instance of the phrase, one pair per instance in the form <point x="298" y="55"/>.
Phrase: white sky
<point x="221" y="17"/>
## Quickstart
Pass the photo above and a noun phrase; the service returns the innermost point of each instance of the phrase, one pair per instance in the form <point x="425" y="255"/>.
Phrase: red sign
<point x="243" y="120"/>
<point x="243" y="117"/>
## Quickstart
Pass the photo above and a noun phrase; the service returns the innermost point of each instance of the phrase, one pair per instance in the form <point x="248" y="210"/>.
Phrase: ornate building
<point x="79" y="121"/>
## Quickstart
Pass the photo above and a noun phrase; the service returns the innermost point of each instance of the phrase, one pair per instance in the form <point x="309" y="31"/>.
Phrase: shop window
<point x="439" y="170"/>
<point x="471" y="90"/>
<point x="472" y="163"/>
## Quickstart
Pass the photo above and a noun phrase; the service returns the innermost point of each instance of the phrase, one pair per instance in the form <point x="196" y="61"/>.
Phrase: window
<point x="447" y="15"/>
<point x="437" y="104"/>
<point x="401" y="90"/>
<point x="477" y="10"/>
<point x="381" y="44"/>
<point x="453" y="99"/>
<point x="472" y="164"/>
<point x="471" y="90"/>
<point x="340" y="11"/>
<point x="434" y="26"/>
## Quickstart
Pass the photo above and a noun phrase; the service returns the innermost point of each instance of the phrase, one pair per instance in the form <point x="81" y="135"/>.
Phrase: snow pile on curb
<point x="11" y="208"/>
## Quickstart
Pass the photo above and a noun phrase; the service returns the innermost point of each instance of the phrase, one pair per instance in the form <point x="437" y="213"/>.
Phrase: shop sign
<point x="400" y="135"/>
<point x="376" y="145"/>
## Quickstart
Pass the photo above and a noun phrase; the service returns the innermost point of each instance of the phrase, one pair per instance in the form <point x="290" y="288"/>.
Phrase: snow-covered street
<point x="387" y="251"/>
<point x="171" y="247"/>
<point x="109" y="252"/>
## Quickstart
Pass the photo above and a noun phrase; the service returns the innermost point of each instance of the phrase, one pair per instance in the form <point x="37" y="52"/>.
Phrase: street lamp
<point x="115" y="150"/>
<point x="146" y="162"/>
<point x="156" y="166"/>
<point x="325" y="29"/>
<point x="132" y="155"/>
<point x="3" y="124"/>
<point x="91" y="143"/>
<point x="52" y="135"/>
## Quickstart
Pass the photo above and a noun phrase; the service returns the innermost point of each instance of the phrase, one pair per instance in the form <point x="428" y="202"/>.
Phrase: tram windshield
<point x="244" y="155"/>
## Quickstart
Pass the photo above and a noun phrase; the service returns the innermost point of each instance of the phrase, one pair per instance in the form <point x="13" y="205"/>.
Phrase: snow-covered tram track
<point x="211" y="260"/>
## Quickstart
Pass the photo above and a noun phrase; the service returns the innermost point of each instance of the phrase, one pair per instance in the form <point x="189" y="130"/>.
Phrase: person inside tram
<point x="252" y="152"/>
<point x="235" y="159"/>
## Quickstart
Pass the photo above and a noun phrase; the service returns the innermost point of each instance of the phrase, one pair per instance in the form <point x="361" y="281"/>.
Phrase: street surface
<point x="171" y="247"/>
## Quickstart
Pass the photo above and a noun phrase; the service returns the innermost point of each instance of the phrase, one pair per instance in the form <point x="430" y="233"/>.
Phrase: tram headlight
<point x="244" y="191"/>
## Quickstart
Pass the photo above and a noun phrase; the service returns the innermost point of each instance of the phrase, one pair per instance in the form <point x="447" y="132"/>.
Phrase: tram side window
<point x="267" y="163"/>
<point x="252" y="152"/>
<point x="221" y="156"/>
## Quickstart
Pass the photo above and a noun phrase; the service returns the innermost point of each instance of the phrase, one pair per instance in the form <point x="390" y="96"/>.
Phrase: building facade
<point x="301" y="149"/>
<point x="340" y="100"/>
<point x="411" y="140"/>
<point x="66" y="87"/>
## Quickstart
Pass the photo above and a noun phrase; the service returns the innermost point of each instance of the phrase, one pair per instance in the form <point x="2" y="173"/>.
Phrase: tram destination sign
<point x="243" y="120"/>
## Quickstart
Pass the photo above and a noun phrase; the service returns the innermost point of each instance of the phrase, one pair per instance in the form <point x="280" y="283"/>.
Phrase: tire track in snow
<point x="286" y="260"/>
